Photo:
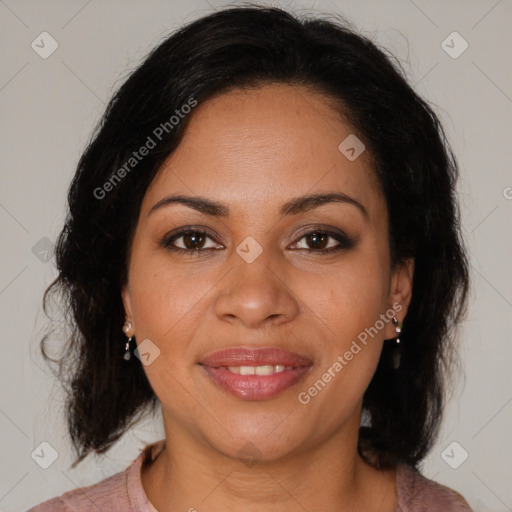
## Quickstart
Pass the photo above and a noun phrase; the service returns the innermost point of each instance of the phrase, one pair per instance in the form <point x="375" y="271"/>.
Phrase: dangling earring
<point x="397" y="352"/>
<point x="126" y="328"/>
<point x="398" y="329"/>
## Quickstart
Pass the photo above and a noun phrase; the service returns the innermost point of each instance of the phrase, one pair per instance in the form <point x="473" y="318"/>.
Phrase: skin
<point x="253" y="150"/>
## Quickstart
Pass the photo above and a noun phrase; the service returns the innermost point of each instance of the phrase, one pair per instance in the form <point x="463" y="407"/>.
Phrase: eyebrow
<point x="292" y="207"/>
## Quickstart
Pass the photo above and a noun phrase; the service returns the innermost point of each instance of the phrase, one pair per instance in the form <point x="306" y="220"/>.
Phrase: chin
<point x="253" y="442"/>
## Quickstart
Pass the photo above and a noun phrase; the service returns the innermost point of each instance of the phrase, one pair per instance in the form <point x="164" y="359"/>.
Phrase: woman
<point x="263" y="239"/>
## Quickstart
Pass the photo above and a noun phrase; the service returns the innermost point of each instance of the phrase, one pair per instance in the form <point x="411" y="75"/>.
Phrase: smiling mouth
<point x="255" y="374"/>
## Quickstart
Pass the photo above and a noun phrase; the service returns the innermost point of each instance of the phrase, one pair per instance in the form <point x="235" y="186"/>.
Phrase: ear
<point x="125" y="295"/>
<point x="400" y="293"/>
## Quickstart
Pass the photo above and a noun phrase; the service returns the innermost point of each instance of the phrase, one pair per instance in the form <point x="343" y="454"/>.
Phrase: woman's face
<point x="265" y="268"/>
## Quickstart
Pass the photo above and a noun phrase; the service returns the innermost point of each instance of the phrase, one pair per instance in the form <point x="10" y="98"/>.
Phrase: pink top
<point x="123" y="492"/>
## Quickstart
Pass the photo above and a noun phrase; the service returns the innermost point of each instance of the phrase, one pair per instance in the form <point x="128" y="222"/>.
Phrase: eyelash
<point x="344" y="242"/>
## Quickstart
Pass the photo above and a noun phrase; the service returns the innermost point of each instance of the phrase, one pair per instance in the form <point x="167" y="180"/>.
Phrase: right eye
<point x="190" y="241"/>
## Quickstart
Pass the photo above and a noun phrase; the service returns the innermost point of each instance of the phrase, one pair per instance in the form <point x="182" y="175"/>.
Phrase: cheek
<point x="166" y="304"/>
<point x="347" y="305"/>
<point x="350" y="297"/>
<point x="352" y="333"/>
<point x="167" y="310"/>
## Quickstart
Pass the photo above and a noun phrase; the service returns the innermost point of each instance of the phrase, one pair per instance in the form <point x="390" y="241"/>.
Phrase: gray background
<point x="48" y="109"/>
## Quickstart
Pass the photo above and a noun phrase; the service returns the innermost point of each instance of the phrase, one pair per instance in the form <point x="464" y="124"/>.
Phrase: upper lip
<point x="244" y="356"/>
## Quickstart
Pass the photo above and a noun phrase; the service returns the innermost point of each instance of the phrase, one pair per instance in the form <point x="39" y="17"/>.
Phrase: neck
<point x="191" y="475"/>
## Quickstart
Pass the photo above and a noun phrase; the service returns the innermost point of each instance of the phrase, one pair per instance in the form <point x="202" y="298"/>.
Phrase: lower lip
<point x="255" y="387"/>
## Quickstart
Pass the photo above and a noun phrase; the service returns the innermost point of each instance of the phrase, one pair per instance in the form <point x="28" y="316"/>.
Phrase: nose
<point x="256" y="295"/>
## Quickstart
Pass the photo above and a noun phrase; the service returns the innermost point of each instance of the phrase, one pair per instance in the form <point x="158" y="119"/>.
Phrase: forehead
<point x="256" y="147"/>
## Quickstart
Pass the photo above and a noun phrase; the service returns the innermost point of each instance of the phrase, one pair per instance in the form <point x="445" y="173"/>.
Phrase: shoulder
<point x="121" y="492"/>
<point x="417" y="493"/>
<point x="109" y="494"/>
<point x="103" y="495"/>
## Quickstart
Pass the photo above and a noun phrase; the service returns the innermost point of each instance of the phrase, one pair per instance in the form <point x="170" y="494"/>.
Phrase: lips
<point x="255" y="373"/>
<point x="255" y="357"/>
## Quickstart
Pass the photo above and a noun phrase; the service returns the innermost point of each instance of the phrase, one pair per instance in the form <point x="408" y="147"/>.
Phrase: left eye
<point x="318" y="240"/>
<point x="323" y="241"/>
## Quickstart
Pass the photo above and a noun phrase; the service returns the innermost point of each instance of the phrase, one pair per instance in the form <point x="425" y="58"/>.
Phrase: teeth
<point x="247" y="370"/>
<point x="266" y="369"/>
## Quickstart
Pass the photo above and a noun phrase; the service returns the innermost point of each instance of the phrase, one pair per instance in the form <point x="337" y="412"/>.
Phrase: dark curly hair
<point x="240" y="48"/>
